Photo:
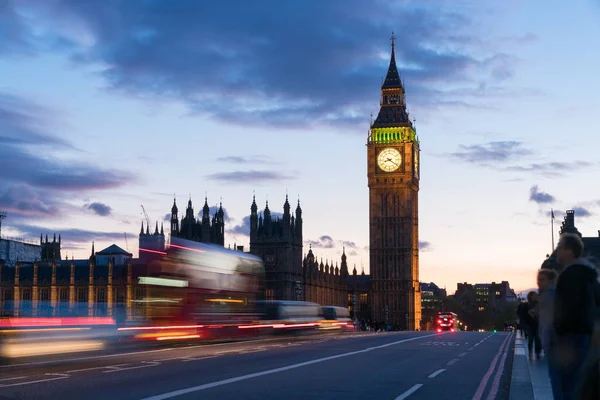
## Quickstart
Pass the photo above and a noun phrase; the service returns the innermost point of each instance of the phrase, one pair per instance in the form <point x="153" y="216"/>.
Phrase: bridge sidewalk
<point x="530" y="380"/>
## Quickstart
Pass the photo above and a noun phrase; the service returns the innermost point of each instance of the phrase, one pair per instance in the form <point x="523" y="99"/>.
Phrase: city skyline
<point x="95" y="122"/>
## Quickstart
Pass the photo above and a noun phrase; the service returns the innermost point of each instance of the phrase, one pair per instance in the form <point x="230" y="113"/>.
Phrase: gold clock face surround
<point x="389" y="159"/>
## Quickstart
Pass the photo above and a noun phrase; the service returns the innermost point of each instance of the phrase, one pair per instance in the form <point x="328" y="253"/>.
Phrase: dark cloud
<point x="33" y="184"/>
<point x="580" y="212"/>
<point x="213" y="210"/>
<point x="501" y="151"/>
<point x="324" y="242"/>
<point x="540" y="197"/>
<point x="243" y="228"/>
<point x="71" y="237"/>
<point x="23" y="137"/>
<point x="21" y="200"/>
<point x="249" y="176"/>
<point x="257" y="159"/>
<point x="349" y="245"/>
<point x="425" y="246"/>
<point x="98" y="208"/>
<point x="167" y="217"/>
<point x="282" y="64"/>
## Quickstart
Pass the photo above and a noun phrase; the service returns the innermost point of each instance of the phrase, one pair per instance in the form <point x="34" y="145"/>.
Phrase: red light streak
<point x="187" y="248"/>
<point x="21" y="322"/>
<point x="153" y="251"/>
<point x="147" y="328"/>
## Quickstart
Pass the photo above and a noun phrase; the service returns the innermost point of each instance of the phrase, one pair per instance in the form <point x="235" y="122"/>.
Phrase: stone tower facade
<point x="278" y="241"/>
<point x="393" y="180"/>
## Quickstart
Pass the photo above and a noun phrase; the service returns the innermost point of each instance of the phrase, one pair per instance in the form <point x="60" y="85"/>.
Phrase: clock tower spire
<point x="393" y="180"/>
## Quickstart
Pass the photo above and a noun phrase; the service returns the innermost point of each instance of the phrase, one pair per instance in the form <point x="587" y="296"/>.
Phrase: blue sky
<point x="107" y="105"/>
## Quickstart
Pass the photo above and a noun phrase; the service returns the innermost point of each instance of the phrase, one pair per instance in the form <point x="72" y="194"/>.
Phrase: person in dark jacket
<point x="589" y="383"/>
<point x="532" y="325"/>
<point x="574" y="315"/>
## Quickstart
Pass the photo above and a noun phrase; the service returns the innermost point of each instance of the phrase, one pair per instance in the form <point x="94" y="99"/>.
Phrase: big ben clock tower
<point x="393" y="176"/>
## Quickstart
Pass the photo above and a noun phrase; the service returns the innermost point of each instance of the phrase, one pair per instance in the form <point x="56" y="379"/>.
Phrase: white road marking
<point x="409" y="392"/>
<point x="145" y="364"/>
<point x="187" y="359"/>
<point x="436" y="373"/>
<point x="94" y="368"/>
<point x="55" y="377"/>
<point x="252" y="351"/>
<point x="462" y="354"/>
<point x="198" y="388"/>
<point x="451" y="362"/>
<point x="13" y="379"/>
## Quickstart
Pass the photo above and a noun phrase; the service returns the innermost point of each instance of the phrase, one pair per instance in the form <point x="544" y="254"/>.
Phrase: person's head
<point x="569" y="249"/>
<point x="531" y="296"/>
<point x="545" y="278"/>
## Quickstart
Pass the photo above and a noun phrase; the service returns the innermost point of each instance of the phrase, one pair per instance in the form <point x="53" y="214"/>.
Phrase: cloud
<point x="500" y="151"/>
<point x="23" y="135"/>
<point x="425" y="246"/>
<point x="212" y="210"/>
<point x="540" y="197"/>
<point x="582" y="212"/>
<point x="33" y="184"/>
<point x="72" y="237"/>
<point x="243" y="228"/>
<point x="98" y="208"/>
<point x="249" y="177"/>
<point x="257" y="159"/>
<point x="349" y="245"/>
<point x="285" y="64"/>
<point x="324" y="242"/>
<point x="26" y="202"/>
<point x="167" y="217"/>
<point x="551" y="169"/>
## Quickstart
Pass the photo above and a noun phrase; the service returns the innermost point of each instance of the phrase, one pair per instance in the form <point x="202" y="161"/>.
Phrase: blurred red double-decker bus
<point x="199" y="291"/>
<point x="446" y="321"/>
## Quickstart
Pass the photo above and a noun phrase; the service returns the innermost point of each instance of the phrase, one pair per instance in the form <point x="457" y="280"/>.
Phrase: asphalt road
<point x="395" y="365"/>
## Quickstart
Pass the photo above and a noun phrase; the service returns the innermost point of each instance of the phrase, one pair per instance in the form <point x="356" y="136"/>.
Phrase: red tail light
<point x="439" y="330"/>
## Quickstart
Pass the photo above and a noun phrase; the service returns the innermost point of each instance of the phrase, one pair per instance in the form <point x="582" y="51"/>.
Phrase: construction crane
<point x="126" y="243"/>
<point x="2" y="216"/>
<point x="147" y="218"/>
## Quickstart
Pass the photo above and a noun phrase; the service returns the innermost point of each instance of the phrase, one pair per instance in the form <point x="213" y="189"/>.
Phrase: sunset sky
<point x="109" y="105"/>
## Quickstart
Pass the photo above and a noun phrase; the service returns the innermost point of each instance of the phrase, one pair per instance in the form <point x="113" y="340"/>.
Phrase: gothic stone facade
<point x="89" y="287"/>
<point x="393" y="180"/>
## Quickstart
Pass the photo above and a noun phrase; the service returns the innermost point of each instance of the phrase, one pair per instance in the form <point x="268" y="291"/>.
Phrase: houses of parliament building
<point x="390" y="295"/>
<point x="106" y="282"/>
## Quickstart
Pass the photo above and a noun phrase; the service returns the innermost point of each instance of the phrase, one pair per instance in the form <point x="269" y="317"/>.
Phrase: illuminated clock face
<point x="416" y="163"/>
<point x="389" y="160"/>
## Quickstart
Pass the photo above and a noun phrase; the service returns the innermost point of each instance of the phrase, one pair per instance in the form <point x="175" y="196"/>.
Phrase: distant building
<point x="432" y="301"/>
<point x="15" y="250"/>
<point x="484" y="295"/>
<point x="431" y="297"/>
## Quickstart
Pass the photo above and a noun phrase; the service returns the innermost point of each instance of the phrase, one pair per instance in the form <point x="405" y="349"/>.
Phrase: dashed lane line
<point x="436" y="373"/>
<point x="205" y="386"/>
<point x="409" y="392"/>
